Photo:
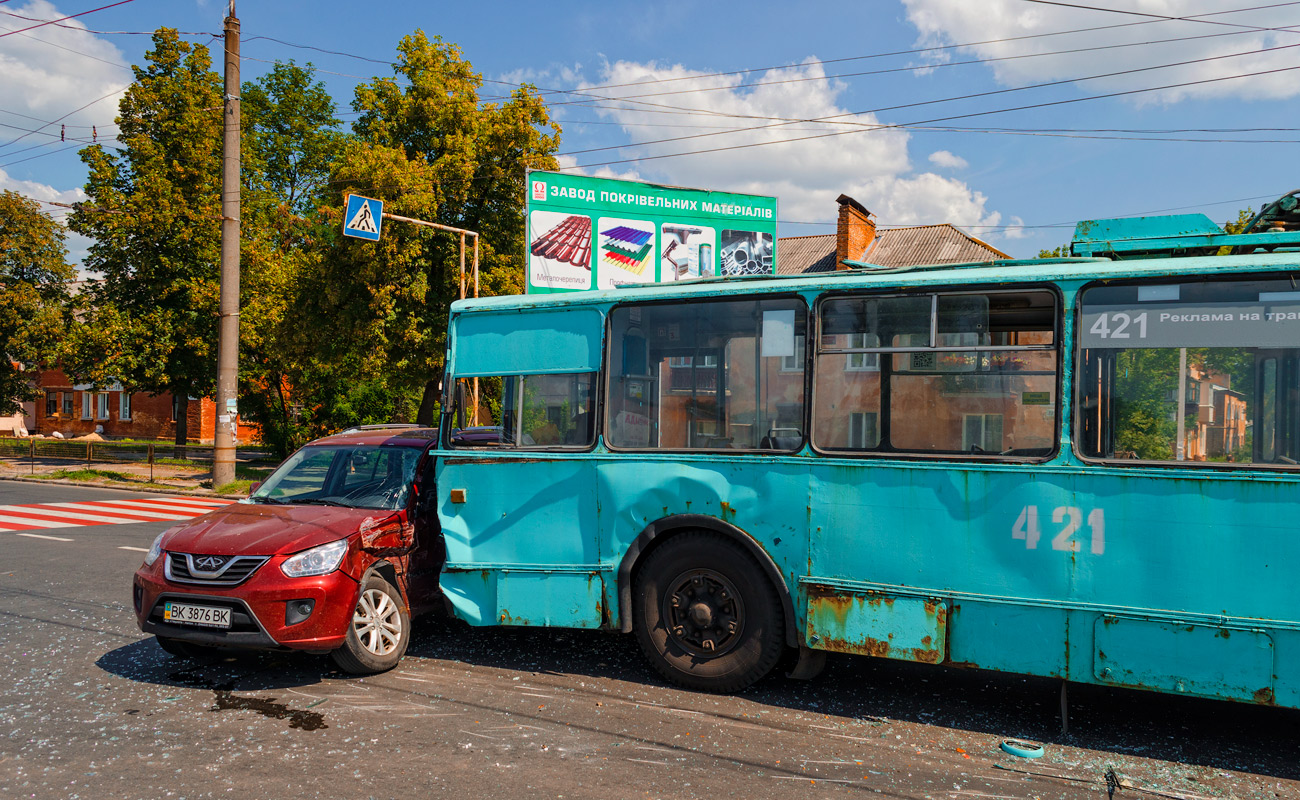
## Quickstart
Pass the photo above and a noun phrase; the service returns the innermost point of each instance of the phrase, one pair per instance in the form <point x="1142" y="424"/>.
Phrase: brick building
<point x="78" y="409"/>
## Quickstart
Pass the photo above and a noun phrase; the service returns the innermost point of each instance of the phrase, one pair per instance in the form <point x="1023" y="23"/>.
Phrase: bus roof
<point x="987" y="272"/>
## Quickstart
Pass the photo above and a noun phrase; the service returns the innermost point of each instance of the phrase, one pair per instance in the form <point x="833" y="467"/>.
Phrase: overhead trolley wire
<point x="867" y="128"/>
<point x="61" y="19"/>
<point x="839" y="118"/>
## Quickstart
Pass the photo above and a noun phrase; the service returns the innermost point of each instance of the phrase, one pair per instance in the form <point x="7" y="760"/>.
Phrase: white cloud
<point x="77" y="244"/>
<point x="53" y="70"/>
<point x="946" y="160"/>
<point x="799" y="164"/>
<point x="40" y="191"/>
<point x="1016" y="230"/>
<point x="942" y="22"/>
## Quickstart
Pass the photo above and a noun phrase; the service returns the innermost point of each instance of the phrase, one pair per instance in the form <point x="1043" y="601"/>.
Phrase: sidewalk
<point x="167" y="478"/>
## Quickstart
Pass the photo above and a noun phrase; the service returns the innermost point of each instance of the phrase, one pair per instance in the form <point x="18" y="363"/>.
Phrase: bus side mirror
<point x="460" y="405"/>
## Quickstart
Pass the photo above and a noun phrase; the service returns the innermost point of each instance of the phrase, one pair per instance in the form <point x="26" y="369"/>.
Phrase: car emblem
<point x="209" y="563"/>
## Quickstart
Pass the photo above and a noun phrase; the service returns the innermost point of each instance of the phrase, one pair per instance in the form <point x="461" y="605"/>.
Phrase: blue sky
<point x="746" y="80"/>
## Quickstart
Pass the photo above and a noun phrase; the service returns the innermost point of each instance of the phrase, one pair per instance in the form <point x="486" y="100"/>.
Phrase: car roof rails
<point x="383" y="427"/>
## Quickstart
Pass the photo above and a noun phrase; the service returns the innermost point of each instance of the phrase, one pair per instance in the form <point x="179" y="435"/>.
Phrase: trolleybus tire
<point x="378" y="632"/>
<point x="705" y="615"/>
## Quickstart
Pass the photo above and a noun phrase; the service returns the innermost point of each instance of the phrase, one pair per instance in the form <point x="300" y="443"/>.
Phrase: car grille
<point x="232" y="571"/>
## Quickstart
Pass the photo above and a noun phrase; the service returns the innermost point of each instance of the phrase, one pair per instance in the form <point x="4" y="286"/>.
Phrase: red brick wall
<point x="151" y="415"/>
<point x="853" y="232"/>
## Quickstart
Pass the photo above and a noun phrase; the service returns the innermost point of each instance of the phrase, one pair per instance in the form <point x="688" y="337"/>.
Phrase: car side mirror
<point x="253" y="487"/>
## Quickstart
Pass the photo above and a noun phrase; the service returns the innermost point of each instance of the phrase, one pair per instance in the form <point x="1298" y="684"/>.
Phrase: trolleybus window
<point x="707" y="375"/>
<point x="534" y="411"/>
<point x="968" y="373"/>
<point x="1196" y="372"/>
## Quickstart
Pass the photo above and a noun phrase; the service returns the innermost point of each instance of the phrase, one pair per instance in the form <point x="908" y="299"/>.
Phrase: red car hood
<point x="266" y="530"/>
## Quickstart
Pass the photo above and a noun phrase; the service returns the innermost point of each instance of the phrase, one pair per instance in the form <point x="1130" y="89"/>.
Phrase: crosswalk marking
<point x="39" y="536"/>
<point x="139" y="514"/>
<point x="39" y="516"/>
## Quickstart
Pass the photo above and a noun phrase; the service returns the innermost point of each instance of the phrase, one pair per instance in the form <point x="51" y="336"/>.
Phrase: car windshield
<point x="352" y="476"/>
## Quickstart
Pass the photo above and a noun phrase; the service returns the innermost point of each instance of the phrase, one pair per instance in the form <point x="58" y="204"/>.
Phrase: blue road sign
<point x="363" y="217"/>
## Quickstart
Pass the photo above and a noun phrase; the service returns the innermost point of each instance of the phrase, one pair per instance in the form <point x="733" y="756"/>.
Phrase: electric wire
<point x="839" y="117"/>
<point x="61" y="19"/>
<point x="869" y="128"/>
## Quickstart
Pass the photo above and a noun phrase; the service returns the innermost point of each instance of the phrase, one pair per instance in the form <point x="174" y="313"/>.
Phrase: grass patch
<point x="100" y="475"/>
<point x="234" y="487"/>
<point x="87" y="474"/>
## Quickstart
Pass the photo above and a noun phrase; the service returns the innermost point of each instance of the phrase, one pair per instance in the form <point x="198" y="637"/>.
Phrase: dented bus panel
<point x="1052" y="469"/>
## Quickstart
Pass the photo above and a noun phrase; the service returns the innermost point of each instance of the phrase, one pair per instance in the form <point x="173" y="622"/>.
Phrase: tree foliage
<point x="34" y="275"/>
<point x="290" y="139"/>
<point x="433" y="151"/>
<point x="333" y="331"/>
<point x="155" y="216"/>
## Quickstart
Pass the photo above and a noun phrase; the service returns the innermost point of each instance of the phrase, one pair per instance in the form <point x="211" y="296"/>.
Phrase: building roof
<point x="893" y="247"/>
<point x="800" y="254"/>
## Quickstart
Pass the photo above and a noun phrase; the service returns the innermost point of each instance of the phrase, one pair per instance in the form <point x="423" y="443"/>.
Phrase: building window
<point x="863" y="430"/>
<point x="87" y="404"/>
<point x="124" y="406"/>
<point x="862" y="362"/>
<point x="101" y="405"/>
<point x="51" y="403"/>
<point x="794" y="361"/>
<point x="982" y="433"/>
<point x="69" y="400"/>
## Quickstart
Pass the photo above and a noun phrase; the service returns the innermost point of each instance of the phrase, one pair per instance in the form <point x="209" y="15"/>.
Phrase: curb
<point x="127" y="488"/>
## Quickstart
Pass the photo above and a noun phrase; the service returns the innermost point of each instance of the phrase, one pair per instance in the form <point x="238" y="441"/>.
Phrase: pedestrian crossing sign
<point x="363" y="217"/>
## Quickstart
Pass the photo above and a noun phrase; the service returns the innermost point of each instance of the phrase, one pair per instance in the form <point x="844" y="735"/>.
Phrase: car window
<point x="303" y="474"/>
<point x="364" y="476"/>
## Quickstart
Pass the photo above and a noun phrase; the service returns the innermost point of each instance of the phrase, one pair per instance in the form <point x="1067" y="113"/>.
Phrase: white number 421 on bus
<point x="1071" y="519"/>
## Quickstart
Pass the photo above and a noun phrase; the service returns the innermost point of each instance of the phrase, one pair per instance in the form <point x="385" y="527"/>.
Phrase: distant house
<point x="20" y="422"/>
<point x="78" y="409"/>
<point x="857" y="239"/>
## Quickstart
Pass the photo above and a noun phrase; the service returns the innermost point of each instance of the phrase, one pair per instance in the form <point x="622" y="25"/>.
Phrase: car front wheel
<point x="378" y="632"/>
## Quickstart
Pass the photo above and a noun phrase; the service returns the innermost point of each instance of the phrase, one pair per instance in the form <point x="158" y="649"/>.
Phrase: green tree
<point x="433" y="151"/>
<point x="290" y="139"/>
<point x="34" y="274"/>
<point x="1238" y="225"/>
<point x="154" y="213"/>
<point x="1057" y="252"/>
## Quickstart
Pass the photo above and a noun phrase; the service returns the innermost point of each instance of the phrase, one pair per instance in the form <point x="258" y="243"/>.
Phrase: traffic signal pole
<point x="223" y="457"/>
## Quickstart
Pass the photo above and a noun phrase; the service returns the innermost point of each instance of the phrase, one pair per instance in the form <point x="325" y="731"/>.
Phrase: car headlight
<point x="155" y="550"/>
<point x="316" y="561"/>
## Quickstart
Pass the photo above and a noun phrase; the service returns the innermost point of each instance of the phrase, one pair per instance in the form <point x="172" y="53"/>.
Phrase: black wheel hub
<point x="703" y="612"/>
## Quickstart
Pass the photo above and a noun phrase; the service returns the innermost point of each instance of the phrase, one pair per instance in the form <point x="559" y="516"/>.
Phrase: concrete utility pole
<point x="223" y="457"/>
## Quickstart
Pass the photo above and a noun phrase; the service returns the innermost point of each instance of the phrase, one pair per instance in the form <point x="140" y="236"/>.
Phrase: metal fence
<point x="189" y="456"/>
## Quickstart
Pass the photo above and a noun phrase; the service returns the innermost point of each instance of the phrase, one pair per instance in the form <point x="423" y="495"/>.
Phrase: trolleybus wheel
<point x="706" y="615"/>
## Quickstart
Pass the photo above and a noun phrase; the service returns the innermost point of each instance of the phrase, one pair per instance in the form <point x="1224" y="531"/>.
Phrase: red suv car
<point x="330" y="554"/>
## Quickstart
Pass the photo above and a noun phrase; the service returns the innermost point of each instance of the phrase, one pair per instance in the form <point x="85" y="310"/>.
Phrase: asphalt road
<point x="91" y="708"/>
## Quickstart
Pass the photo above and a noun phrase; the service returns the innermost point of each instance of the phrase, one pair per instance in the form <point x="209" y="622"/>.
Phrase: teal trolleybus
<point x="1086" y="468"/>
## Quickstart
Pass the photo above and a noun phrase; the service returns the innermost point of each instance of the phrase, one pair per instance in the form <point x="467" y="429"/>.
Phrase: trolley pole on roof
<point x="223" y="456"/>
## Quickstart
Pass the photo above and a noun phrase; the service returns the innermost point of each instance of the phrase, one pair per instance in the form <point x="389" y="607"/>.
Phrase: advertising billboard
<point x="598" y="233"/>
